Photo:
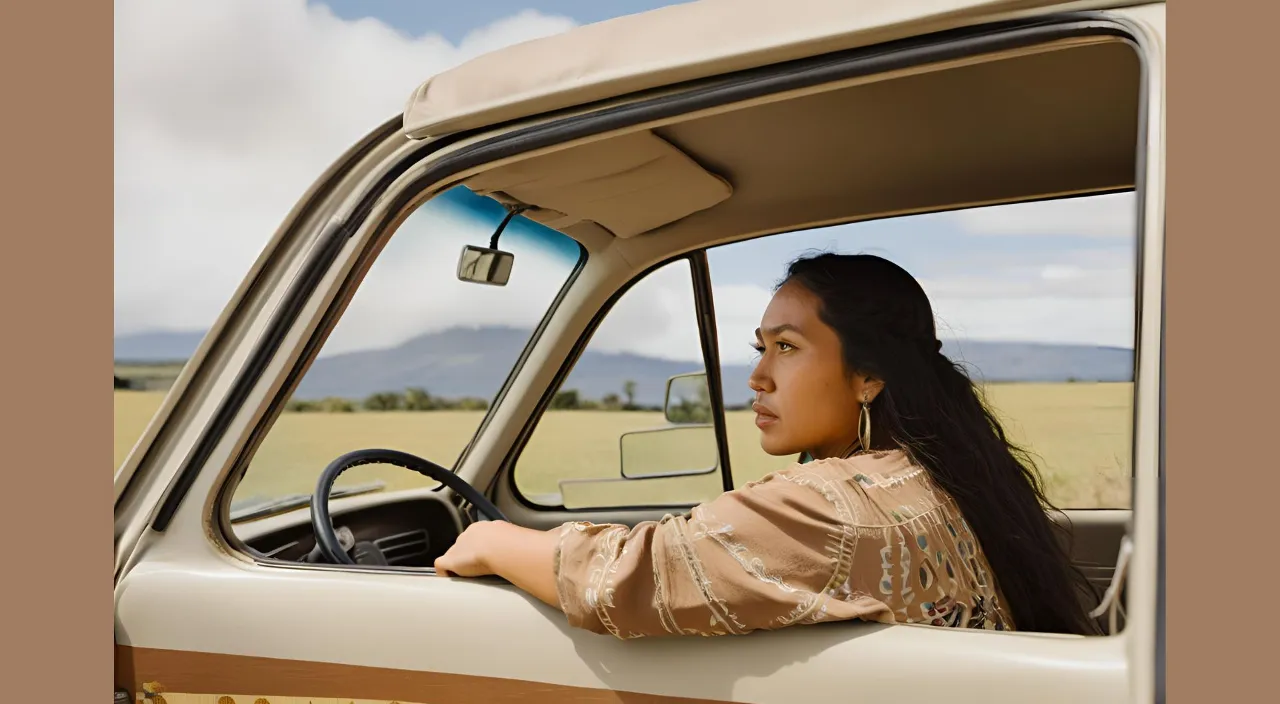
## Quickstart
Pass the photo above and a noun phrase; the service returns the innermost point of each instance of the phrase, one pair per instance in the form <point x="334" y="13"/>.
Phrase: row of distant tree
<point x="413" y="399"/>
<point x="419" y="399"/>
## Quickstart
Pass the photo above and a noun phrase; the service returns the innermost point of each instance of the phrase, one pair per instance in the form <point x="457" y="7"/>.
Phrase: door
<point x="200" y="618"/>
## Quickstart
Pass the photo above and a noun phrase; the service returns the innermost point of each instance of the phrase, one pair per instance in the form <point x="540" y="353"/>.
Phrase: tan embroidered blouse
<point x="869" y="537"/>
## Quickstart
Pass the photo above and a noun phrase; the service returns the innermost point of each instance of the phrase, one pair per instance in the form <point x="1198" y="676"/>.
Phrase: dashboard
<point x="406" y="530"/>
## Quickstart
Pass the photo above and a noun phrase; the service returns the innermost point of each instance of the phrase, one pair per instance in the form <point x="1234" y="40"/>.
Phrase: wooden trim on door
<point x="250" y="679"/>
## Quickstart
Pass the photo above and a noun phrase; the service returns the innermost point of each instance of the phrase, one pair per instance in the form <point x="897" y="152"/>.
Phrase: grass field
<point x="145" y="370"/>
<point x="1079" y="433"/>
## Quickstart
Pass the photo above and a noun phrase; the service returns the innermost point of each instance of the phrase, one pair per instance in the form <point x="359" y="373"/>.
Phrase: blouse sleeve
<point x="771" y="554"/>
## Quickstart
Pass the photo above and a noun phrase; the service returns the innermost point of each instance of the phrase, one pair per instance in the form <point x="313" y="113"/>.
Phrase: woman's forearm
<point x="524" y="557"/>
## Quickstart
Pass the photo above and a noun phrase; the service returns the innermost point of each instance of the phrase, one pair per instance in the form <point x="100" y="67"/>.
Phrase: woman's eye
<point x="782" y="347"/>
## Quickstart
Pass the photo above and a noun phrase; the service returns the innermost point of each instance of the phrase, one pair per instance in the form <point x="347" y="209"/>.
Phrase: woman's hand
<point x="469" y="556"/>
<point x="522" y="556"/>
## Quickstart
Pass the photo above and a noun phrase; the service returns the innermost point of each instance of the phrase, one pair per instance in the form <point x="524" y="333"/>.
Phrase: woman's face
<point x="805" y="400"/>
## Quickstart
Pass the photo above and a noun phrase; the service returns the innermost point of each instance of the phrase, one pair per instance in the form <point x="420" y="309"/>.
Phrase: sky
<point x="226" y="112"/>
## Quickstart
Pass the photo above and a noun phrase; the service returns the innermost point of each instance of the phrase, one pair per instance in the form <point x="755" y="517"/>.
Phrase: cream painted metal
<point x="682" y="42"/>
<point x="465" y="627"/>
<point x="190" y="588"/>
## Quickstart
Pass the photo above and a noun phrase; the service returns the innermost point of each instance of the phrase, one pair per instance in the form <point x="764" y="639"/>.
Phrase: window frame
<point x="704" y="309"/>
<point x="415" y="199"/>
<point x="704" y="300"/>
<point x="1056" y="27"/>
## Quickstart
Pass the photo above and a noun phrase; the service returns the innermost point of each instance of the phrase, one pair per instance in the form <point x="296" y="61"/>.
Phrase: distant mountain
<point x="158" y="346"/>
<point x="1030" y="361"/>
<point x="475" y="362"/>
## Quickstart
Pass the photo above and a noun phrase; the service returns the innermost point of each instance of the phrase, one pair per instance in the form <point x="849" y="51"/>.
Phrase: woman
<point x="909" y="504"/>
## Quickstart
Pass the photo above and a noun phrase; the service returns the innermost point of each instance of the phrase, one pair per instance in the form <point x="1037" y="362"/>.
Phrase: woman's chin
<point x="772" y="446"/>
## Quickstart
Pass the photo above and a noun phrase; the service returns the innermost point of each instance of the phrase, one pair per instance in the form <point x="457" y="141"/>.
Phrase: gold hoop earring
<point x="864" y="427"/>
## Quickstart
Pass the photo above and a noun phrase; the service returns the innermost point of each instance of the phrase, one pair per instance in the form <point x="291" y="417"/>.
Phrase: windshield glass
<point x="418" y="356"/>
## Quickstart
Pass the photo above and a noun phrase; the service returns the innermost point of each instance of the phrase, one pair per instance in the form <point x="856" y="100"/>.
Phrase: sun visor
<point x="628" y="185"/>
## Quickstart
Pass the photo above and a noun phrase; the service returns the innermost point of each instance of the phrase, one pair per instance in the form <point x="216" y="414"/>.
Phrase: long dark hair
<point x="930" y="408"/>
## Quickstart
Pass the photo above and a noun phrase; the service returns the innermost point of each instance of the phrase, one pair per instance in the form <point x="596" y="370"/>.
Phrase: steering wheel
<point x="321" y="522"/>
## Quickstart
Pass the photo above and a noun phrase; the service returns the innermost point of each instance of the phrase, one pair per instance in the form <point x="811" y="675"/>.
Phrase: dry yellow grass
<point x="132" y="414"/>
<point x="1079" y="433"/>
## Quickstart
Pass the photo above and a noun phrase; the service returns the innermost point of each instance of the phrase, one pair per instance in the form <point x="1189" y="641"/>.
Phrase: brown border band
<point x="209" y="673"/>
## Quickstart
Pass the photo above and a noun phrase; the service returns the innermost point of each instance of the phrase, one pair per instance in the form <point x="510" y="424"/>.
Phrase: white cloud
<point x="1048" y="319"/>
<point x="1014" y="314"/>
<point x="1109" y="216"/>
<point x="739" y="309"/>
<point x="1062" y="272"/>
<point x="655" y="318"/>
<point x="225" y="113"/>
<point x="1035" y="280"/>
<point x="412" y="288"/>
<point x="1083" y="296"/>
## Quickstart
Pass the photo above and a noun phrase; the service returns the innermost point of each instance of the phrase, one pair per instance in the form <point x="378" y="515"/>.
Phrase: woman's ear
<point x="871" y="388"/>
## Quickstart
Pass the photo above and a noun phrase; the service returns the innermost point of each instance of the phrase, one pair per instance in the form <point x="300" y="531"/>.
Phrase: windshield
<point x="415" y="360"/>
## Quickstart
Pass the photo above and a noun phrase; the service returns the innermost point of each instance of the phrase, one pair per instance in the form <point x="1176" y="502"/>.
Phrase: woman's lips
<point x="764" y="416"/>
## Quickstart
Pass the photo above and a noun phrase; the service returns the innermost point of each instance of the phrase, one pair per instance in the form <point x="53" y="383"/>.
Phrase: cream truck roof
<point x="680" y="43"/>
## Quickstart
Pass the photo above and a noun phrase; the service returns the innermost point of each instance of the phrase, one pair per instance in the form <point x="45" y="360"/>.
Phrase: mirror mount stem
<point x="512" y="211"/>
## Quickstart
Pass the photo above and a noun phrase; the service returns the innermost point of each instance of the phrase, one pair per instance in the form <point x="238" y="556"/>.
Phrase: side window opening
<point x="1037" y="301"/>
<point x="1043" y="323"/>
<point x="631" y="424"/>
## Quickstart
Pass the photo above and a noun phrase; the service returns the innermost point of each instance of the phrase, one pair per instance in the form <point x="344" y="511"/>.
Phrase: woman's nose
<point x="758" y="381"/>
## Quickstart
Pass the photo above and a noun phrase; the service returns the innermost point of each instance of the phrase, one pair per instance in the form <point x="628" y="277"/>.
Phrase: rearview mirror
<point x="688" y="399"/>
<point x="482" y="265"/>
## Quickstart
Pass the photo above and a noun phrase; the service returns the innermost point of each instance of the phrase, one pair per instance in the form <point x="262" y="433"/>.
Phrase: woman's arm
<point x="522" y="556"/>
<point x="767" y="555"/>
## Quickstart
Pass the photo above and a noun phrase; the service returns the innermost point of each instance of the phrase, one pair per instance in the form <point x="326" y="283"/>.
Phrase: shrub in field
<point x="417" y="399"/>
<point x="384" y="401"/>
<point x="566" y="400"/>
<point x="334" y="404"/>
<point x="325" y="405"/>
